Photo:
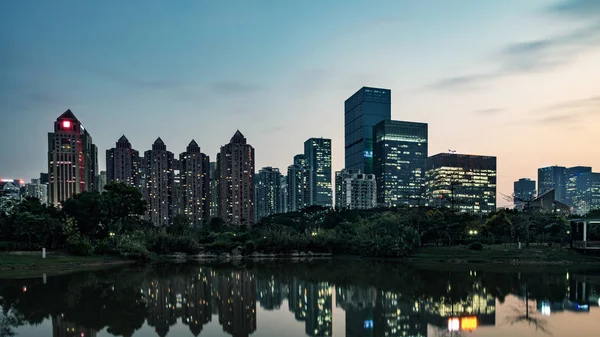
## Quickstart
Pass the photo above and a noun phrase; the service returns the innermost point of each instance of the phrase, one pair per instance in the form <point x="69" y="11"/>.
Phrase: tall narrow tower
<point x="72" y="159"/>
<point x="122" y="164"/>
<point x="195" y="184"/>
<point x="159" y="184"/>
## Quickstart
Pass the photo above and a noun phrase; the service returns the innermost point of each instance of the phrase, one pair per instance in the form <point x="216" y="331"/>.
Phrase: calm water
<point x="331" y="298"/>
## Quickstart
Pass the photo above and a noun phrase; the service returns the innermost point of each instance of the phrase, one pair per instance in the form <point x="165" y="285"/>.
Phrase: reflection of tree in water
<point x="8" y="321"/>
<point x="524" y="315"/>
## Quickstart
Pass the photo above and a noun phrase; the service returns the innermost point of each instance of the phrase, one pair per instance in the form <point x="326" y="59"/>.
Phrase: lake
<point x="319" y="298"/>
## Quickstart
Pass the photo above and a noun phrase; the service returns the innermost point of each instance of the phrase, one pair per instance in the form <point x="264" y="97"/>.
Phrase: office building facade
<point x="72" y="159"/>
<point x="235" y="164"/>
<point x="364" y="109"/>
<point x="123" y="164"/>
<point x="355" y="190"/>
<point x="298" y="184"/>
<point x="317" y="152"/>
<point x="159" y="178"/>
<point x="524" y="192"/>
<point x="572" y="174"/>
<point x="464" y="183"/>
<point x="35" y="189"/>
<point x="553" y="177"/>
<point x="268" y="189"/>
<point x="587" y="197"/>
<point x="214" y="191"/>
<point x="194" y="181"/>
<point x="399" y="157"/>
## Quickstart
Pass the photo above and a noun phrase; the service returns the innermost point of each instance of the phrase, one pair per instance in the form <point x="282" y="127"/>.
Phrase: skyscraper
<point x="355" y="190"/>
<point x="236" y="181"/>
<point x="524" y="191"/>
<point x="72" y="159"/>
<point x="159" y="184"/>
<point x="465" y="183"/>
<point x="553" y="177"/>
<point x="101" y="181"/>
<point x="317" y="152"/>
<point x="298" y="184"/>
<point x="195" y="184"/>
<point x="588" y="193"/>
<point x="268" y="187"/>
<point x="123" y="164"/>
<point x="572" y="173"/>
<point x="364" y="109"/>
<point x="399" y="156"/>
<point x="214" y="193"/>
<point x="283" y="195"/>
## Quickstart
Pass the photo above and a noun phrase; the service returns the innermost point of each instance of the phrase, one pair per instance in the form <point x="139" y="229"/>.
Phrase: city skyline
<point x="520" y="87"/>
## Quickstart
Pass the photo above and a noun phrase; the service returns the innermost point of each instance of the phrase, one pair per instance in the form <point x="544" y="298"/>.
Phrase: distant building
<point x="268" y="188"/>
<point x="547" y="203"/>
<point x="572" y="174"/>
<point x="553" y="178"/>
<point x="236" y="181"/>
<point x="355" y="190"/>
<point x="464" y="183"/>
<point x="159" y="177"/>
<point x="37" y="190"/>
<point x="123" y="164"/>
<point x="283" y="195"/>
<point x="214" y="193"/>
<point x="364" y="109"/>
<point x="298" y="184"/>
<point x="72" y="159"/>
<point x="195" y="197"/>
<point x="587" y="197"/>
<point x="399" y="157"/>
<point x="524" y="191"/>
<point x="101" y="181"/>
<point x="317" y="152"/>
<point x="11" y="188"/>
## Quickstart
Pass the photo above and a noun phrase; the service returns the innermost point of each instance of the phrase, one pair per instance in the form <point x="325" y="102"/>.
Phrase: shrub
<point x="81" y="246"/>
<point x="164" y="243"/>
<point x="476" y="246"/>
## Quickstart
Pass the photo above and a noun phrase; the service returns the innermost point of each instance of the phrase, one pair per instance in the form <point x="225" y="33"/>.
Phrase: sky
<point x="515" y="79"/>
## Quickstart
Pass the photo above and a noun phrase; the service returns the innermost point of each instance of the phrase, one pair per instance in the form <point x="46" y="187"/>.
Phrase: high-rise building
<point x="553" y="177"/>
<point x="236" y="181"/>
<point x="298" y="184"/>
<point x="524" y="191"/>
<point x="195" y="184"/>
<point x="37" y="190"/>
<point x="72" y="159"/>
<point x="572" y="173"/>
<point x="317" y="152"/>
<point x="465" y="183"/>
<point x="101" y="181"/>
<point x="283" y="195"/>
<point x="355" y="190"/>
<point x="399" y="157"/>
<point x="159" y="184"/>
<point x="587" y="197"/>
<point x="123" y="164"/>
<point x="268" y="189"/>
<point x="214" y="193"/>
<point x="364" y="109"/>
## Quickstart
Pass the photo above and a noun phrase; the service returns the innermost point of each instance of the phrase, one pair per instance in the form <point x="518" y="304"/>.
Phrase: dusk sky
<point x="518" y="79"/>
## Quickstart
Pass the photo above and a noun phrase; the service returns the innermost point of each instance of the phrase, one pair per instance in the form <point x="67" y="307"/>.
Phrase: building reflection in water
<point x="312" y="303"/>
<point x="64" y="328"/>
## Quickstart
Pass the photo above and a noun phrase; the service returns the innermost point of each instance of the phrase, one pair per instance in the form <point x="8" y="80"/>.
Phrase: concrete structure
<point x="123" y="164"/>
<point x="355" y="190"/>
<point x="317" y="152"/>
<point x="37" y="190"/>
<point x="364" y="109"/>
<point x="159" y="178"/>
<point x="72" y="159"/>
<point x="553" y="178"/>
<point x="268" y="189"/>
<point x="194" y="176"/>
<point x="524" y="192"/>
<point x="399" y="157"/>
<point x="236" y="181"/>
<point x="465" y="183"/>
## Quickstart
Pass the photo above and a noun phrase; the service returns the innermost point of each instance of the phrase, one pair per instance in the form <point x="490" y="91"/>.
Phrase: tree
<point x="123" y="206"/>
<point x="500" y="225"/>
<point x="181" y="225"/>
<point x="87" y="209"/>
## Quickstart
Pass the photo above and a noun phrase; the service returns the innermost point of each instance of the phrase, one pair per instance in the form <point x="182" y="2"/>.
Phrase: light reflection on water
<point x="327" y="298"/>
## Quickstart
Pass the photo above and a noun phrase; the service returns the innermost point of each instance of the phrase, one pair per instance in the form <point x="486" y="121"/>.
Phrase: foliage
<point x="476" y="246"/>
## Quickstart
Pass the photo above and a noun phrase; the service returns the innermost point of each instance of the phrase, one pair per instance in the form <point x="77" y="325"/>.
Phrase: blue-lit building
<point x="367" y="107"/>
<point x="317" y="152"/>
<point x="588" y="193"/>
<point x="572" y="174"/>
<point x="399" y="157"/>
<point x="553" y="177"/>
<point x="524" y="191"/>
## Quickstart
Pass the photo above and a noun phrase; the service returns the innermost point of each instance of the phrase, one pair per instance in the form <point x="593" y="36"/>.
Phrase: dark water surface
<point x="326" y="298"/>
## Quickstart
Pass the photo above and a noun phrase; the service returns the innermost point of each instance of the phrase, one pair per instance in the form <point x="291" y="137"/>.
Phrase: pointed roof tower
<point x="123" y="143"/>
<point x="159" y="145"/>
<point x="67" y="115"/>
<point x="238" y="138"/>
<point x="193" y="147"/>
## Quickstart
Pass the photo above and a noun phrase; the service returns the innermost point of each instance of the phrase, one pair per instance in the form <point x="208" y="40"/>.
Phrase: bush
<point x="164" y="243"/>
<point x="81" y="246"/>
<point x="476" y="246"/>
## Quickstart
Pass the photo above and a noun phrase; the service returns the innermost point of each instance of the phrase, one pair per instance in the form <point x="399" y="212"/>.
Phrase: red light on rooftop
<point x="66" y="124"/>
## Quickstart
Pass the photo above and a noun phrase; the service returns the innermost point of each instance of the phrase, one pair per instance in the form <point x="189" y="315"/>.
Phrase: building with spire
<point x="235" y="167"/>
<point x="123" y="164"/>
<point x="195" y="184"/>
<point x="158" y="191"/>
<point x="72" y="159"/>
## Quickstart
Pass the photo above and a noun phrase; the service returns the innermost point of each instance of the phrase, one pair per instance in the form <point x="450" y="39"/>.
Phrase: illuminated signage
<point x="368" y="154"/>
<point x="66" y="124"/>
<point x="368" y="324"/>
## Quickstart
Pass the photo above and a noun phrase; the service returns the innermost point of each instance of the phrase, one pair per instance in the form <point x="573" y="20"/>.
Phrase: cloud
<point x="489" y="112"/>
<point x="578" y="104"/>
<point x="556" y="119"/>
<point x="536" y="55"/>
<point x="234" y="87"/>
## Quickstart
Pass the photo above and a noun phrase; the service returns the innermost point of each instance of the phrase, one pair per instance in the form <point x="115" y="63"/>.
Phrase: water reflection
<point x="373" y="299"/>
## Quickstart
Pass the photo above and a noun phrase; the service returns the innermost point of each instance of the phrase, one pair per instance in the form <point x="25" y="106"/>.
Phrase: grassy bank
<point x="20" y="264"/>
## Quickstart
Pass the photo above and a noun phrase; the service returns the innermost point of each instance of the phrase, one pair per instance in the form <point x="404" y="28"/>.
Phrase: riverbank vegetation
<point x="112" y="223"/>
